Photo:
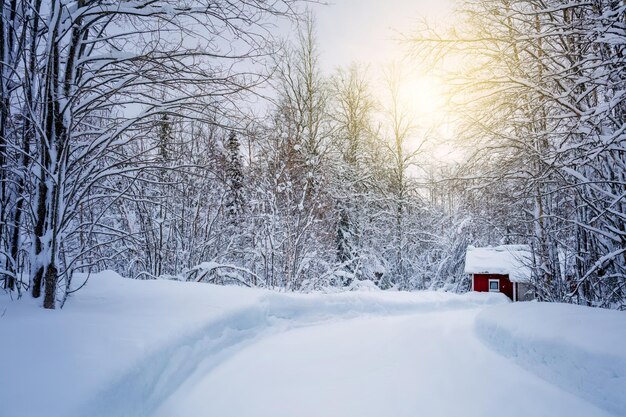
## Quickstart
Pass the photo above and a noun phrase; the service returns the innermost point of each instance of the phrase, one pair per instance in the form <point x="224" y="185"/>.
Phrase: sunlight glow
<point x="424" y="96"/>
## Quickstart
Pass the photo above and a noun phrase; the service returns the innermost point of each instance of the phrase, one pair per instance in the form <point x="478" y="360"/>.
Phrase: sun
<point x="423" y="96"/>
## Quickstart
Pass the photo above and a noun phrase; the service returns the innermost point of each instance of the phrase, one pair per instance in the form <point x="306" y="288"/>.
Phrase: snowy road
<point x="427" y="364"/>
<point x="127" y="348"/>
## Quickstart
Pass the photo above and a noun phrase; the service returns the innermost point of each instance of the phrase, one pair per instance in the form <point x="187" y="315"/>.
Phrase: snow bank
<point x="581" y="349"/>
<point x="120" y="347"/>
<point x="61" y="358"/>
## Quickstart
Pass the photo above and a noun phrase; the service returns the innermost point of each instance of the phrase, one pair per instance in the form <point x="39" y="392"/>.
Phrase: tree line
<point x="181" y="140"/>
<point x="543" y="91"/>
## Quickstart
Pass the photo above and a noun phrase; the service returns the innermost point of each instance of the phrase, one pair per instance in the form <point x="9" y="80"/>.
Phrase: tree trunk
<point x="49" y="300"/>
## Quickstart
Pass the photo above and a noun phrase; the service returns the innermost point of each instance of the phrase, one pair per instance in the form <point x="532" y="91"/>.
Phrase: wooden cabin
<point x="504" y="269"/>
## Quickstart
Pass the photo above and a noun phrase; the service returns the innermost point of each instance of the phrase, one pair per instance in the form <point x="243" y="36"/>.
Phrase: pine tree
<point x="235" y="201"/>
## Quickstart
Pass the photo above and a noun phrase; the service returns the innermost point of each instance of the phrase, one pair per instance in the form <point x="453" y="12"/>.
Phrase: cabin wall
<point x="525" y="292"/>
<point x="481" y="283"/>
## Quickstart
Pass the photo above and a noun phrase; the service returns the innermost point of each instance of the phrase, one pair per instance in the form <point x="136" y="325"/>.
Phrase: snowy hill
<point x="161" y="348"/>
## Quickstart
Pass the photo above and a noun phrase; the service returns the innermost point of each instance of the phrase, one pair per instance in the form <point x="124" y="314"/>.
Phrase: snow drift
<point x="580" y="349"/>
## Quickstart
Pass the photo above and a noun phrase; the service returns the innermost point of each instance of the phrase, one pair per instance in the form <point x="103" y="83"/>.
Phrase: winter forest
<point x="198" y="140"/>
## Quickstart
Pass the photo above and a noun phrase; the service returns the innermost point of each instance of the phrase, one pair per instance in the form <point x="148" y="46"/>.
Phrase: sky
<point x="366" y="31"/>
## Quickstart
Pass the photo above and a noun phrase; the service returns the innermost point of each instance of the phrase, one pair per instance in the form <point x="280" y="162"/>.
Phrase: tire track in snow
<point x="143" y="388"/>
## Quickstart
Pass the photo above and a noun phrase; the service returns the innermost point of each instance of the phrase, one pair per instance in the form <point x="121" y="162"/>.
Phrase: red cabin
<point x="504" y="269"/>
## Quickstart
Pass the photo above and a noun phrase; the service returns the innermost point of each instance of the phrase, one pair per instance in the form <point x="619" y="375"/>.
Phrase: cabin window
<point x="494" y="285"/>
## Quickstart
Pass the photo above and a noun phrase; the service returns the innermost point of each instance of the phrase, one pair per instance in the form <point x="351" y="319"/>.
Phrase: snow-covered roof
<point x="511" y="260"/>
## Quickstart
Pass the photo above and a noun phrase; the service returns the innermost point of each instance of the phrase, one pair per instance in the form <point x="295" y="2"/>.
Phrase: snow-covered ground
<point x="163" y="348"/>
<point x="580" y="349"/>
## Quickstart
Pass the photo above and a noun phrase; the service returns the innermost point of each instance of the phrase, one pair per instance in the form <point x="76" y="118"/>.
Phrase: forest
<point x="188" y="140"/>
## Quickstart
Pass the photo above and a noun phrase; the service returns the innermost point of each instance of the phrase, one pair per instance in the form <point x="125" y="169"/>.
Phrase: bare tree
<point x="538" y="88"/>
<point x="96" y="76"/>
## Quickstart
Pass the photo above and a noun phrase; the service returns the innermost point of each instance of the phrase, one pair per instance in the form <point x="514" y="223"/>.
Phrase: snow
<point x="429" y="364"/>
<point x="580" y="349"/>
<point x="66" y="356"/>
<point x="165" y="348"/>
<point x="512" y="260"/>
